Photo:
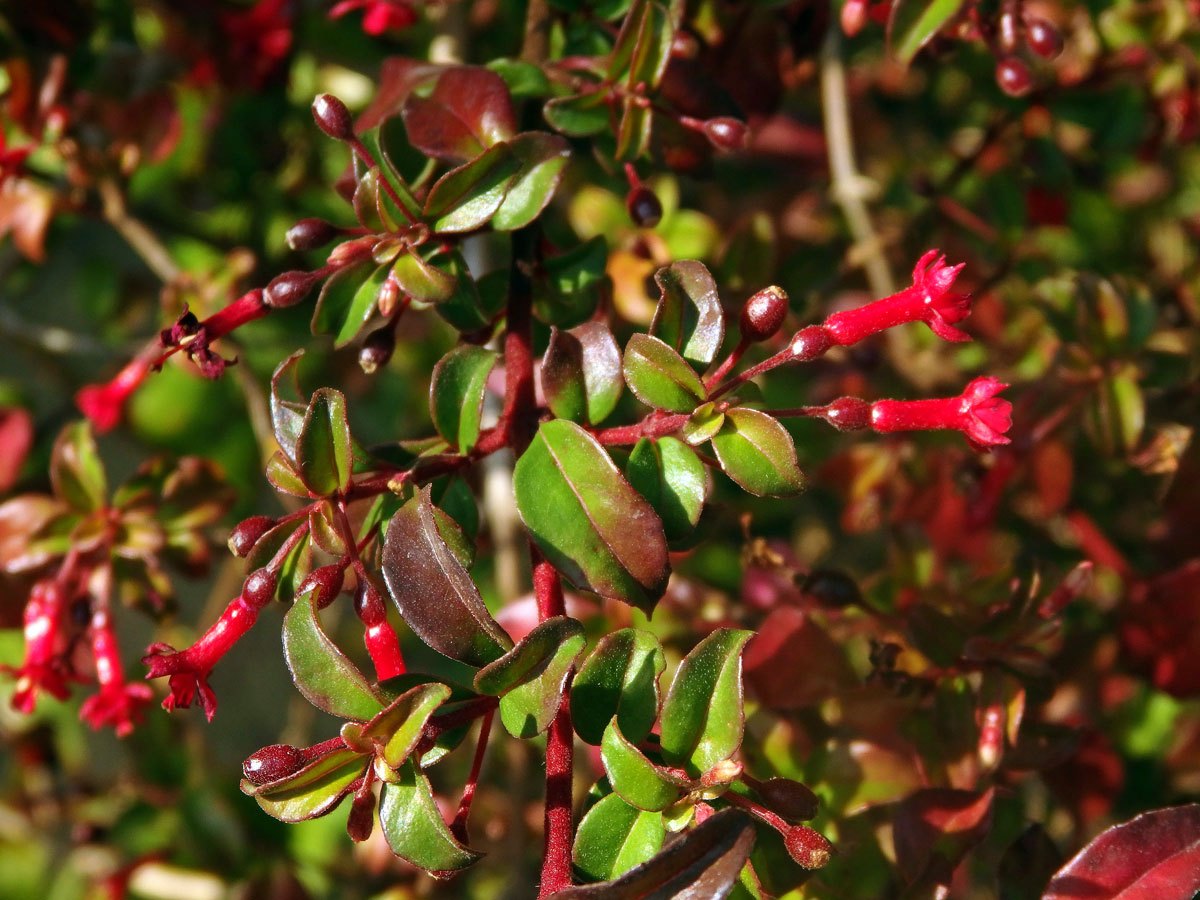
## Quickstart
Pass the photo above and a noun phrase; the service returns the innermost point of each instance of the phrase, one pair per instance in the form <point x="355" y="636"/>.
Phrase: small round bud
<point x="832" y="588"/>
<point x="809" y="343"/>
<point x="807" y="847"/>
<point x="288" y="289"/>
<point x="332" y="117"/>
<point x="1043" y="38"/>
<point x="684" y="46"/>
<point x="259" y="588"/>
<point x="789" y="799"/>
<point x="368" y="605"/>
<point x="644" y="207"/>
<point x="848" y="413"/>
<point x="309" y="234"/>
<point x="272" y="763"/>
<point x="388" y="299"/>
<point x="763" y="314"/>
<point x="1014" y="77"/>
<point x="377" y="349"/>
<point x="327" y="581"/>
<point x="247" y="533"/>
<point x="726" y="133"/>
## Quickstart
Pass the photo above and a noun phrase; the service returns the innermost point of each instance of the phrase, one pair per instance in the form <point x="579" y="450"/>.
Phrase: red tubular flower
<point x="104" y="404"/>
<point x="45" y="667"/>
<point x="928" y="300"/>
<point x="118" y="703"/>
<point x="380" y="15"/>
<point x="978" y="413"/>
<point x="188" y="670"/>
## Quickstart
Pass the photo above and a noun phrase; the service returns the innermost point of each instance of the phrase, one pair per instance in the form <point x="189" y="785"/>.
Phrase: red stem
<point x="556" y="865"/>
<point x="730" y="361"/>
<point x="459" y="826"/>
<point x="653" y="426"/>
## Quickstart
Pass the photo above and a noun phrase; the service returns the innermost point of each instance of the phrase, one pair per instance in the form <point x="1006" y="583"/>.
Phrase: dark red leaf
<point x="939" y="823"/>
<point x="469" y="110"/>
<point x="1155" y="856"/>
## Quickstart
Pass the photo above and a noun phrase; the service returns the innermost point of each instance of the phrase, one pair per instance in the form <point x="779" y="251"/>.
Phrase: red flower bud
<point x="247" y="533"/>
<point x="332" y="117"/>
<point x="272" y="763"/>
<point x="309" y="234"/>
<point x="327" y="581"/>
<point x="807" y="847"/>
<point x="726" y="133"/>
<point x="644" y="207"/>
<point x="289" y="289"/>
<point x="763" y="314"/>
<point x="377" y="349"/>
<point x="259" y="588"/>
<point x="1014" y="77"/>
<point x="1043" y="38"/>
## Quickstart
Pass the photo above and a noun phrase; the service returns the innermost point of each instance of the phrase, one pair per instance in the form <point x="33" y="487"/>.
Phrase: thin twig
<point x="137" y="235"/>
<point x="847" y="187"/>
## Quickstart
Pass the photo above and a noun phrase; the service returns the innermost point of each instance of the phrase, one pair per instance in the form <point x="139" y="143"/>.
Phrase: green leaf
<point x="76" y="472"/>
<point x="287" y="413"/>
<point x="633" y="777"/>
<point x="643" y="46"/>
<point x="689" y="318"/>
<point x="659" y="377"/>
<point x="542" y="158"/>
<point x="702" y="716"/>
<point x="372" y="140"/>
<point x="703" y="863"/>
<point x="464" y="308"/>
<point x="283" y="475"/>
<point x="528" y="657"/>
<point x="669" y="474"/>
<point x="361" y="307"/>
<point x="314" y="790"/>
<point x="587" y="520"/>
<point x="433" y="591"/>
<point x="340" y="291"/>
<point x="525" y="80"/>
<point x="456" y="394"/>
<point x="569" y="289"/>
<point x="633" y="134"/>
<point x="614" y="837"/>
<point x="619" y="678"/>
<point x="578" y="116"/>
<point x="531" y="677"/>
<point x="467" y="197"/>
<point x="414" y="828"/>
<point x="322" y="673"/>
<point x="397" y="729"/>
<point x="758" y="454"/>
<point x="323" y="454"/>
<point x="704" y="423"/>
<point x="913" y="24"/>
<point x="421" y="280"/>
<point x="581" y="373"/>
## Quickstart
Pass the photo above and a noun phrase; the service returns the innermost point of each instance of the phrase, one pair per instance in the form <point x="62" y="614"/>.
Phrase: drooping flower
<point x="379" y="16"/>
<point x="118" y="703"/>
<point x="45" y="667"/>
<point x="104" y="404"/>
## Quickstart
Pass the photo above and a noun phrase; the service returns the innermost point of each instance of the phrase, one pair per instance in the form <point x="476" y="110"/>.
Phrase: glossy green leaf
<point x="322" y="673"/>
<point x="422" y="280"/>
<point x="689" y="318"/>
<point x="634" y="778"/>
<point x="758" y="454"/>
<point x="704" y="863"/>
<point x="702" y="716"/>
<point x="456" y="394"/>
<point x="314" y="790"/>
<point x="703" y="424"/>
<point x="542" y="158"/>
<point x="634" y="131"/>
<point x="467" y="197"/>
<point x="283" y="476"/>
<point x="373" y="140"/>
<point x="581" y="373"/>
<point x="287" y="407"/>
<point x="76" y="472"/>
<point x="464" y="309"/>
<point x="323" y="453"/>
<point x="619" y="678"/>
<point x="361" y="307"/>
<point x="669" y="474"/>
<point x="643" y="46"/>
<point x="339" y="292"/>
<point x="323" y="530"/>
<point x="433" y="590"/>
<point x="524" y="80"/>
<point x="414" y="827"/>
<point x="586" y="518"/>
<point x="528" y="657"/>
<point x="914" y="23"/>
<point x="533" y="676"/>
<point x="578" y="116"/>
<point x="397" y="728"/>
<point x="659" y="377"/>
<point x="614" y="837"/>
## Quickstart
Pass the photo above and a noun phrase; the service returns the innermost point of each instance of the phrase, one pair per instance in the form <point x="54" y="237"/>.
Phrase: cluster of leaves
<point x="957" y="665"/>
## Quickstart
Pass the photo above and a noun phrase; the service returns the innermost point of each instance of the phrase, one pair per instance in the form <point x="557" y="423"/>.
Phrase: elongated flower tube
<point x="104" y="404"/>
<point x="978" y="413"/>
<point x="929" y="300"/>
<point x="118" y="703"/>
<point x="187" y="670"/>
<point x="44" y="668"/>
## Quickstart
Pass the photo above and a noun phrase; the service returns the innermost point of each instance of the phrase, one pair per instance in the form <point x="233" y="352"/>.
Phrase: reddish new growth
<point x="379" y="16"/>
<point x="978" y="413"/>
<point x="187" y="670"/>
<point x="928" y="300"/>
